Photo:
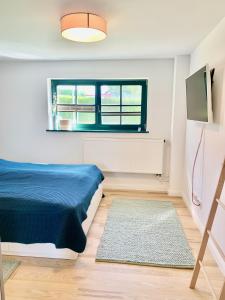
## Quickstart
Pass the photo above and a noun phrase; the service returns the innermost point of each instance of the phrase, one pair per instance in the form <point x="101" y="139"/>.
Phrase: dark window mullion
<point x="75" y="102"/>
<point x="120" y="104"/>
<point x="98" y="103"/>
<point x="107" y="105"/>
<point x="117" y="113"/>
<point x="144" y="106"/>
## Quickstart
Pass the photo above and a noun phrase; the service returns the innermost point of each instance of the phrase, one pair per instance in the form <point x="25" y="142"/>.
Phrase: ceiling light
<point x="83" y="27"/>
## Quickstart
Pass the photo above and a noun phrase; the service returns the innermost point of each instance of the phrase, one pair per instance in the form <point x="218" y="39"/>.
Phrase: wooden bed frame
<point x="49" y="250"/>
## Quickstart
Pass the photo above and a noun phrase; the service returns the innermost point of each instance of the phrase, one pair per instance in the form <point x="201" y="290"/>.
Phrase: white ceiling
<point x="30" y="29"/>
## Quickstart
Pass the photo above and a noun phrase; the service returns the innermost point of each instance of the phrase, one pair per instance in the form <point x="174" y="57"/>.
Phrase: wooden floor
<point x="48" y="279"/>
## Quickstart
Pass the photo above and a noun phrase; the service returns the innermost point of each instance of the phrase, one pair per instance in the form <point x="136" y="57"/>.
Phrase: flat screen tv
<point x="199" y="96"/>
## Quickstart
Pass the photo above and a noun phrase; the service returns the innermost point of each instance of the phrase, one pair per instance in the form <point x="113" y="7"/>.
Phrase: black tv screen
<point x="198" y="93"/>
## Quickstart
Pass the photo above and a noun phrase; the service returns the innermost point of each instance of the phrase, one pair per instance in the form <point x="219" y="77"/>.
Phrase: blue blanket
<point x="46" y="203"/>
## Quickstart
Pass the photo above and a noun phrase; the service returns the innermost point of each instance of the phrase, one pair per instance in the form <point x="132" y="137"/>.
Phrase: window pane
<point x="66" y="116"/>
<point x="85" y="118"/>
<point x="86" y="94"/>
<point x="110" y="94"/>
<point x="110" y="108"/>
<point x="131" y="108"/>
<point x="111" y="120"/>
<point x="99" y="104"/>
<point x="66" y="94"/>
<point x="131" y="120"/>
<point x="131" y="94"/>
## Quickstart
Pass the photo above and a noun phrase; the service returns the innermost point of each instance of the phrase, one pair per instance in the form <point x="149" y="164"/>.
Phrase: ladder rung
<point x="222" y="293"/>
<point x="216" y="244"/>
<point x="208" y="280"/>
<point x="220" y="203"/>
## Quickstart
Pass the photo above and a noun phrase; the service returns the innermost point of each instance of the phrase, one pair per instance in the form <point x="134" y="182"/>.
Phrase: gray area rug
<point x="9" y="267"/>
<point x="144" y="232"/>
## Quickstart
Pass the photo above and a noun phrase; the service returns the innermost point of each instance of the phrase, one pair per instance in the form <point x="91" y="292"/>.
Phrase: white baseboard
<point x="174" y="193"/>
<point x="186" y="201"/>
<point x="137" y="187"/>
<point x="216" y="255"/>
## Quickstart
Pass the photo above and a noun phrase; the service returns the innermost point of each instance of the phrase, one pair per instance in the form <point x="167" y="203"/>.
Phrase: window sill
<point x="105" y="131"/>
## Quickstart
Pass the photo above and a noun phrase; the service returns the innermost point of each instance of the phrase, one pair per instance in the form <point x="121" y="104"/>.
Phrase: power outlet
<point x="196" y="199"/>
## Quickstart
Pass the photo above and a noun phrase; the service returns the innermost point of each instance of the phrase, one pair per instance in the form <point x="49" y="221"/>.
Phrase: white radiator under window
<point x="127" y="155"/>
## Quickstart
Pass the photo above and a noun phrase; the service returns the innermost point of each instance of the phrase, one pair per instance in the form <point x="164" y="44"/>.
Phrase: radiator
<point x="127" y="155"/>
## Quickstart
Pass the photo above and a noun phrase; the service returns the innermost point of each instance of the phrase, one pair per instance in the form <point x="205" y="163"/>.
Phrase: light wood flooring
<point x="83" y="279"/>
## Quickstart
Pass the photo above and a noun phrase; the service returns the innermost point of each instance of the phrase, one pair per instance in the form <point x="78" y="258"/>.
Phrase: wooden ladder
<point x="208" y="234"/>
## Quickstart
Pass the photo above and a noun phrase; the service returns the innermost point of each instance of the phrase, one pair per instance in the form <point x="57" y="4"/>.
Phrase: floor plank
<point x="51" y="279"/>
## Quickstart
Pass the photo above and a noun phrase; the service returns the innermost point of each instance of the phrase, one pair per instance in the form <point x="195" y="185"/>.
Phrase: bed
<point x="46" y="209"/>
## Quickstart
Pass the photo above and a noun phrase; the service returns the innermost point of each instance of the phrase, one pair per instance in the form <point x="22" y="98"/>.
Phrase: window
<point x="98" y="105"/>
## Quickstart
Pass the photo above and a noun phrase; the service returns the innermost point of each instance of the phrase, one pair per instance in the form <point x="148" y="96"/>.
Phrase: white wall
<point x="178" y="125"/>
<point x="23" y="111"/>
<point x="212" y="152"/>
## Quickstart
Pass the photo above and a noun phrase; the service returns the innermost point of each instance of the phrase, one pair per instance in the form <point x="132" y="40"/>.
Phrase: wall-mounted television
<point x="199" y="96"/>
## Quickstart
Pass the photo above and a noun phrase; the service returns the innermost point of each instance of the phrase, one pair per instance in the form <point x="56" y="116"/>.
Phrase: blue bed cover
<point x="46" y="203"/>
